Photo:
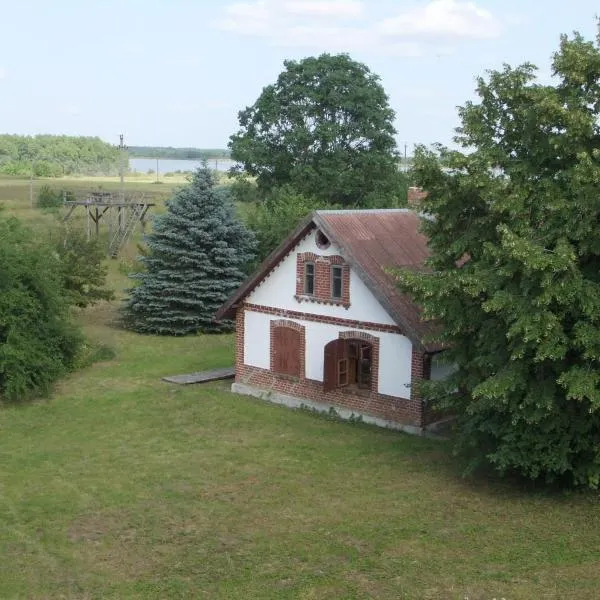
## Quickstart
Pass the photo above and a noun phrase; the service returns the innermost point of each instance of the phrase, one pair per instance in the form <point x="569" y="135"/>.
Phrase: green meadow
<point x="123" y="486"/>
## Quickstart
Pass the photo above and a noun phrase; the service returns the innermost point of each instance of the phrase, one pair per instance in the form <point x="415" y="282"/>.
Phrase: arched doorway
<point x="349" y="362"/>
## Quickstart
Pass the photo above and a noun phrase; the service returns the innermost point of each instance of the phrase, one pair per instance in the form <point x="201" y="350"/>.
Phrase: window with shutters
<point x="348" y="363"/>
<point x="286" y="351"/>
<point x="323" y="279"/>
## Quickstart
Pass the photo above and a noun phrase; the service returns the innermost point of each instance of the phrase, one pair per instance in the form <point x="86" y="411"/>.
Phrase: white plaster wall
<point x="279" y="288"/>
<point x="395" y="351"/>
<point x="257" y="340"/>
<point x="395" y="356"/>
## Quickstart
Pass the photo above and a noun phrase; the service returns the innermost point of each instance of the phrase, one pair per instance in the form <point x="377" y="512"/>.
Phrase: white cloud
<point x="443" y="19"/>
<point x="344" y="25"/>
<point x="349" y="9"/>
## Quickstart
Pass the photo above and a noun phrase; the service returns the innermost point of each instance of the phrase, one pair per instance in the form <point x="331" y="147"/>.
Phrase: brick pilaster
<point x="420" y="371"/>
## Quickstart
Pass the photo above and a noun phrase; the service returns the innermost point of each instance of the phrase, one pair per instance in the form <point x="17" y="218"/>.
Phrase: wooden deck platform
<point x="202" y="376"/>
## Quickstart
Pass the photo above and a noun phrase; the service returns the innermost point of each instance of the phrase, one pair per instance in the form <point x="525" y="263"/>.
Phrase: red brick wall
<point x="420" y="371"/>
<point x="322" y="279"/>
<point x="415" y="195"/>
<point x="240" y="328"/>
<point x="399" y="410"/>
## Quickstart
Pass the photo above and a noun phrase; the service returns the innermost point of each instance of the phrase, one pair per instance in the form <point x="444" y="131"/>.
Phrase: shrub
<point x="38" y="342"/>
<point x="50" y="198"/>
<point x="83" y="269"/>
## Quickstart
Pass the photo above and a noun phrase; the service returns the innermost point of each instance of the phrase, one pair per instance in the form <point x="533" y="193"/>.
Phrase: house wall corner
<point x="420" y="371"/>
<point x="240" y="326"/>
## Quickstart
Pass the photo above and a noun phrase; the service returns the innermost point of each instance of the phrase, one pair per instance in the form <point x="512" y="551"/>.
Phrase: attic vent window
<point x="322" y="240"/>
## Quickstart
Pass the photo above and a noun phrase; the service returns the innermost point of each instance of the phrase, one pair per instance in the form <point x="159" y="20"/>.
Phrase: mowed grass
<point x="123" y="486"/>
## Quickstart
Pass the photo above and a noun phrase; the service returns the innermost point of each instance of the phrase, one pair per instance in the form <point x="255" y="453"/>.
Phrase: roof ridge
<point x="363" y="211"/>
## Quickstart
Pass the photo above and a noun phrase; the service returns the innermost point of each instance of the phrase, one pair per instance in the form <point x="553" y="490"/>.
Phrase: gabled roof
<point x="371" y="241"/>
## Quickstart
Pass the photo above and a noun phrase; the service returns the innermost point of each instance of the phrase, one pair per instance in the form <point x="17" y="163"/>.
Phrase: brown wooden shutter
<point x="286" y="350"/>
<point x="335" y="351"/>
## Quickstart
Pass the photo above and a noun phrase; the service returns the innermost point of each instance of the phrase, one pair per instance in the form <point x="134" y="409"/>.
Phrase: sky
<point x="176" y="72"/>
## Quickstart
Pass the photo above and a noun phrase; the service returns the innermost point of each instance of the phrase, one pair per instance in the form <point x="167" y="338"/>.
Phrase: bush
<point x="50" y="198"/>
<point x="38" y="342"/>
<point x="83" y="269"/>
<point x="244" y="190"/>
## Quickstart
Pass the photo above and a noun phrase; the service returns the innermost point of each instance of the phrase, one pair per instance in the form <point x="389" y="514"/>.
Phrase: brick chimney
<point x="415" y="195"/>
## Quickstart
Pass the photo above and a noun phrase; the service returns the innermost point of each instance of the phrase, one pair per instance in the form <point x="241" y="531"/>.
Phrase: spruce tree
<point x="514" y="231"/>
<point x="197" y="255"/>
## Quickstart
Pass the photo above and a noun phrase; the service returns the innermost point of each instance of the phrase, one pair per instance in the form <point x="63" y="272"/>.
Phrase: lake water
<point x="167" y="165"/>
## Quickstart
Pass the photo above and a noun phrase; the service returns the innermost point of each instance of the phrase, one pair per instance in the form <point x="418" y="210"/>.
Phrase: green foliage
<point x="245" y="190"/>
<point x="49" y="198"/>
<point x="198" y="253"/>
<point x="56" y="155"/>
<point x="83" y="269"/>
<point x="393" y="196"/>
<point x="521" y="317"/>
<point x="38" y="343"/>
<point x="324" y="127"/>
<point x="274" y="218"/>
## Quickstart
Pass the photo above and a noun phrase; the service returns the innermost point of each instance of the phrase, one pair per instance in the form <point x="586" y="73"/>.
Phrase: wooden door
<point x="286" y="351"/>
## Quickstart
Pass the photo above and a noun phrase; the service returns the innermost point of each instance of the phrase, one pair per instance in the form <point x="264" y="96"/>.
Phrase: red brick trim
<point x="390" y="408"/>
<point x="420" y="371"/>
<point x="293" y="314"/>
<point x="240" y="327"/>
<point x="358" y="335"/>
<point x="322" y="291"/>
<point x="302" y="350"/>
<point x="374" y="341"/>
<point x="286" y="323"/>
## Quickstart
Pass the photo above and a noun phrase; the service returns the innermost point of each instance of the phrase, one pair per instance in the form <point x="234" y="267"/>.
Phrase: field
<point x="123" y="486"/>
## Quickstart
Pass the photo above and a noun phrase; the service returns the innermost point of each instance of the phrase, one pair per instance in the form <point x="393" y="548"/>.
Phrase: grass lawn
<point x="123" y="486"/>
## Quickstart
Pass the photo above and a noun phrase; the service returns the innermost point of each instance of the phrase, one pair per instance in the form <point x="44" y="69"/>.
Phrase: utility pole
<point x="31" y="184"/>
<point x="157" y="169"/>
<point x="122" y="148"/>
<point x="405" y="162"/>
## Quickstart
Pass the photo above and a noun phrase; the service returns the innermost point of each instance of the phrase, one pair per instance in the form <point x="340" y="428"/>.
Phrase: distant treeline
<point x="57" y="155"/>
<point x="177" y="153"/>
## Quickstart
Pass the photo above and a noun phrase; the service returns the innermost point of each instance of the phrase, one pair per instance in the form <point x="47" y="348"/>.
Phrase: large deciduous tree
<point x="198" y="253"/>
<point x="515" y="269"/>
<point x="324" y="127"/>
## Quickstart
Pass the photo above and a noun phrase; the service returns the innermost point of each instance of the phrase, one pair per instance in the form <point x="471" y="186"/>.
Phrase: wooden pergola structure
<point x="120" y="214"/>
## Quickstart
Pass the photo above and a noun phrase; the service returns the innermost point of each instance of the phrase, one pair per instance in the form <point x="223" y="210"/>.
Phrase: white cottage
<point x="322" y="323"/>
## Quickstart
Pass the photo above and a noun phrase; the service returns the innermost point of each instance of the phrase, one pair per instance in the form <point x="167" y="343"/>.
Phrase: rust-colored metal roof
<point x="372" y="242"/>
<point x="375" y="242"/>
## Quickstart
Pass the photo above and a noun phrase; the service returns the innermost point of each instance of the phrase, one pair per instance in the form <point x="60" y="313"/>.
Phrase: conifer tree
<point x="198" y="251"/>
<point x="515" y="269"/>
